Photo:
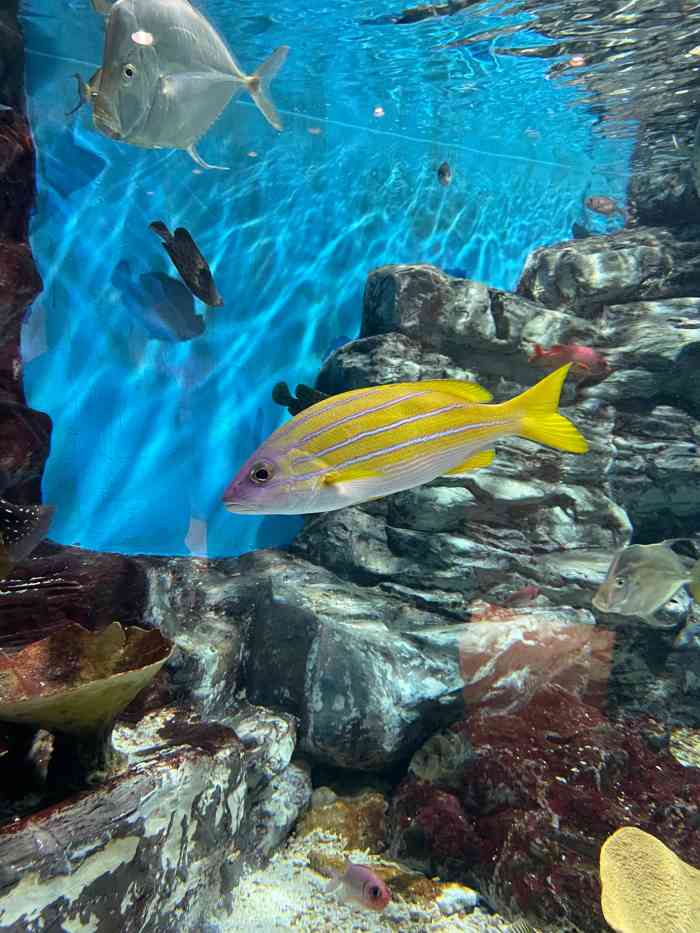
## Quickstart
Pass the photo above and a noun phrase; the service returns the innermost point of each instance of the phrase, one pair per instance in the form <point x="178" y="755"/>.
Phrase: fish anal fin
<point x="476" y="462"/>
<point x="467" y="391"/>
<point x="192" y="152"/>
<point x="349" y="475"/>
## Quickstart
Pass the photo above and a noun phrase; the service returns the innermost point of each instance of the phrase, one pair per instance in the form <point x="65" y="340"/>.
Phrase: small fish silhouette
<point x="189" y="262"/>
<point x="444" y="174"/>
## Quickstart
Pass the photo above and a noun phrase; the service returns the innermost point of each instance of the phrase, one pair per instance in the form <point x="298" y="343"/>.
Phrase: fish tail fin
<point x="537" y="352"/>
<point x="694" y="585"/>
<point x="158" y="227"/>
<point x="258" y="85"/>
<point x="539" y="421"/>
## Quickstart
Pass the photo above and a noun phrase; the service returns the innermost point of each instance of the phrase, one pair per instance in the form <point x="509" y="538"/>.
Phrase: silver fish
<point x="167" y="75"/>
<point x="642" y="578"/>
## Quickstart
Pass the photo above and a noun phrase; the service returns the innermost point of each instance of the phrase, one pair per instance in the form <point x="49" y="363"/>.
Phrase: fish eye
<point x="260" y="472"/>
<point x="619" y="581"/>
<point x="374" y="891"/>
<point x="128" y="72"/>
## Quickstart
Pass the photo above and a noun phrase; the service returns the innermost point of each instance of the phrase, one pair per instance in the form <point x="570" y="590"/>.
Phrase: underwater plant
<point x="74" y="684"/>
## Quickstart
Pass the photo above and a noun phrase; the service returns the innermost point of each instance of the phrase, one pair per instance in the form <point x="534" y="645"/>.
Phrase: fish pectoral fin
<point x="348" y="476"/>
<point x="467" y="391"/>
<point x="192" y="152"/>
<point x="476" y="462"/>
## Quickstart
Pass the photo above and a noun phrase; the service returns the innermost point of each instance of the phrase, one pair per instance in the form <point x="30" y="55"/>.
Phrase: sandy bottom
<point x="289" y="895"/>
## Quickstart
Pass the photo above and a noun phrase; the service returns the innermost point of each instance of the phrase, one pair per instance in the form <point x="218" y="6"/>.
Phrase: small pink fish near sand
<point x="586" y="363"/>
<point x="360" y="884"/>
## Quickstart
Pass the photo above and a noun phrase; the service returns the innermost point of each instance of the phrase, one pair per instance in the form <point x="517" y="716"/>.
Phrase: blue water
<point x="148" y="433"/>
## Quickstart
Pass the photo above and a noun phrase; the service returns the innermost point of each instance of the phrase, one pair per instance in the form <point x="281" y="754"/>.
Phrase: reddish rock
<point x="542" y="792"/>
<point x="69" y="585"/>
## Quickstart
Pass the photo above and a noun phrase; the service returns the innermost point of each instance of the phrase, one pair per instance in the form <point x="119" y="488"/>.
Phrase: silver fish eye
<point x="619" y="581"/>
<point x="260" y="472"/>
<point x="128" y="72"/>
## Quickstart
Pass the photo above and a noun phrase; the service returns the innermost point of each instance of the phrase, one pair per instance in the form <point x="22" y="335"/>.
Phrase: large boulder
<point x="637" y="264"/>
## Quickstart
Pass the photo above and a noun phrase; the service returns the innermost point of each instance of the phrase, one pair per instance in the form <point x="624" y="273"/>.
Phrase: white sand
<point x="289" y="895"/>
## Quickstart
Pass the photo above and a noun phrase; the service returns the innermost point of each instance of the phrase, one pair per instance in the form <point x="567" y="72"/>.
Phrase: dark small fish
<point x="22" y="527"/>
<point x="444" y="174"/>
<point x="456" y="273"/>
<point x="579" y="232"/>
<point x="305" y="397"/>
<point x="603" y="205"/>
<point x="189" y="262"/>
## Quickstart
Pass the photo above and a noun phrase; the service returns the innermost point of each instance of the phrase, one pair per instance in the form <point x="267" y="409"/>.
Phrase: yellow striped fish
<point x="372" y="442"/>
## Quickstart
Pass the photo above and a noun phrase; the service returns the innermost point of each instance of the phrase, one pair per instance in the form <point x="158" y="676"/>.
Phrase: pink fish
<point x="523" y="596"/>
<point x="360" y="884"/>
<point x="587" y="363"/>
<point x="604" y="205"/>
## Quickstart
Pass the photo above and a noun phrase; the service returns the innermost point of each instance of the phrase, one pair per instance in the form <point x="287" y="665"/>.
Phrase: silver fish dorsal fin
<point x="192" y="151"/>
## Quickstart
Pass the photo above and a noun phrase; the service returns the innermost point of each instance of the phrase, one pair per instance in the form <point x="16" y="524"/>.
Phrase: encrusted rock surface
<point x="24" y="433"/>
<point x="152" y="850"/>
<point x="538" y="795"/>
<point x="633" y="265"/>
<point x="161" y="845"/>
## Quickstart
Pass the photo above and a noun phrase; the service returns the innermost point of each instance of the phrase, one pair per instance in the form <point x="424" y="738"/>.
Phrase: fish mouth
<point x="600" y="604"/>
<point x="107" y="122"/>
<point x="236" y="506"/>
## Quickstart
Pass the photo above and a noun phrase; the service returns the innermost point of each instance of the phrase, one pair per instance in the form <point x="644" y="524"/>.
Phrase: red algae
<point x="542" y="792"/>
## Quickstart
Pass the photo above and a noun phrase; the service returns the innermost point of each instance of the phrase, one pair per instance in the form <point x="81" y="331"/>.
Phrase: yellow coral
<point x="647" y="888"/>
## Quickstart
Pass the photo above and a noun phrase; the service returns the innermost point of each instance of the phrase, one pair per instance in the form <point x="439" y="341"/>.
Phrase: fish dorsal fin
<point x="476" y="462"/>
<point x="466" y="391"/>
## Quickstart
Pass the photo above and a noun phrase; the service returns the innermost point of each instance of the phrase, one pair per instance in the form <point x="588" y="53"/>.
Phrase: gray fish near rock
<point x="22" y="527"/>
<point x="189" y="262"/>
<point x="642" y="578"/>
<point x="167" y="75"/>
<point x="444" y="174"/>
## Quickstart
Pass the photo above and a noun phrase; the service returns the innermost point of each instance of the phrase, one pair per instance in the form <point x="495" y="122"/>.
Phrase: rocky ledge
<point x="457" y="614"/>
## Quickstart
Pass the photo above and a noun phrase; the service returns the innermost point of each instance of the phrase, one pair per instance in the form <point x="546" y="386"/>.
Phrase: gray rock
<point x="205" y="607"/>
<point x="275" y="811"/>
<point x="149" y="851"/>
<point x="344" y="659"/>
<point x="269" y="740"/>
<point x="633" y="265"/>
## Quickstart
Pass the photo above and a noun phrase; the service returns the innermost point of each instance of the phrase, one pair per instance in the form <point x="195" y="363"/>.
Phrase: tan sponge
<point x="647" y="888"/>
